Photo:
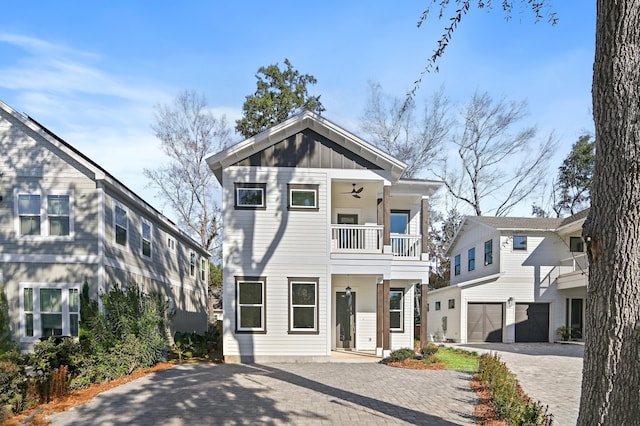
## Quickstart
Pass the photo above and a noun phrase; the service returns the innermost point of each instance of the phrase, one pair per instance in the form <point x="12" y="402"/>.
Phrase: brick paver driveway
<point x="548" y="372"/>
<point x="331" y="393"/>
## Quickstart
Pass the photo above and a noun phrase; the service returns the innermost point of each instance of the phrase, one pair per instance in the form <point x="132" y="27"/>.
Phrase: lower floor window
<point x="50" y="310"/>
<point x="303" y="305"/>
<point x="396" y="305"/>
<point x="250" y="314"/>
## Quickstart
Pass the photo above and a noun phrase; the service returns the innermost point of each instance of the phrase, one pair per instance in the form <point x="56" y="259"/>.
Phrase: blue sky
<point x="92" y="72"/>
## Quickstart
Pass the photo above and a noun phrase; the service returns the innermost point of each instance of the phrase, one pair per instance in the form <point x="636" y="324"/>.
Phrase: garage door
<point x="484" y="322"/>
<point x="532" y="322"/>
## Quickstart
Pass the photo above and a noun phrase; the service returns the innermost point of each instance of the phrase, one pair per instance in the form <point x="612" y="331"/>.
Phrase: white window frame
<point x="192" y="263"/>
<point x="144" y="222"/>
<point x="124" y="246"/>
<point x="203" y="269"/>
<point x="315" y="306"/>
<point x="37" y="324"/>
<point x="297" y="187"/>
<point x="171" y="243"/>
<point x="44" y="215"/>
<point x="262" y="187"/>
<point x="263" y="306"/>
<point x="401" y="310"/>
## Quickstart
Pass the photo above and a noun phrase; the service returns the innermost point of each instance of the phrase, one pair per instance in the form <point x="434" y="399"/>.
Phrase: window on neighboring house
<point x="121" y="226"/>
<point x="29" y="213"/>
<point x="452" y="303"/>
<point x="576" y="244"/>
<point x="457" y="265"/>
<point x="250" y="196"/>
<point x="302" y="197"/>
<point x="49" y="216"/>
<point x="437" y="306"/>
<point x="488" y="252"/>
<point x="192" y="264"/>
<point x="146" y="238"/>
<point x="471" y="264"/>
<point x="50" y="310"/>
<point x="519" y="242"/>
<point x="171" y="244"/>
<point x="250" y="302"/>
<point x="396" y="309"/>
<point x="203" y="269"/>
<point x="303" y="305"/>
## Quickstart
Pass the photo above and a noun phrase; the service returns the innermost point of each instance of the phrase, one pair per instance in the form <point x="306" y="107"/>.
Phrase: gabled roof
<point x="296" y="124"/>
<point x="99" y="173"/>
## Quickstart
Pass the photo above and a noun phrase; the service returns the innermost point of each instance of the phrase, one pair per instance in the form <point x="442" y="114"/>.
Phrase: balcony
<point x="369" y="239"/>
<point x="574" y="272"/>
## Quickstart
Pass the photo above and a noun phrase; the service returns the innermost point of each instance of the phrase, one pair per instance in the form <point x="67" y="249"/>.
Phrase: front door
<point x="574" y="317"/>
<point x="345" y="320"/>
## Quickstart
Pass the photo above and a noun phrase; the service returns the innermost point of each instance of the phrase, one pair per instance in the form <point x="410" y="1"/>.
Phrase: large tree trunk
<point x="611" y="373"/>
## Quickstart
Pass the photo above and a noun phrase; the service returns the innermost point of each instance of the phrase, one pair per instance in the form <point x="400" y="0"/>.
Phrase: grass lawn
<point x="456" y="359"/>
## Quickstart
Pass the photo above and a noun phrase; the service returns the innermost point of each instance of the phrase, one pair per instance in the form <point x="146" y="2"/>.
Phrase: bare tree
<point x="495" y="160"/>
<point x="188" y="133"/>
<point x="398" y="132"/>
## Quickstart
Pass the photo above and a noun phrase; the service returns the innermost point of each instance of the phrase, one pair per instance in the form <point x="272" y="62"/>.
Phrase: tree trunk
<point x="611" y="372"/>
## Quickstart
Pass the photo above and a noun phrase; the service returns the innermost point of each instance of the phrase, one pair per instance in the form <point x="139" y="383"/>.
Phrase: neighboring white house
<point x="323" y="244"/>
<point x="65" y="221"/>
<point x="512" y="280"/>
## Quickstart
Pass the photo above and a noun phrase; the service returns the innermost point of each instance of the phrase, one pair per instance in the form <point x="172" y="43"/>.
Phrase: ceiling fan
<point x="355" y="192"/>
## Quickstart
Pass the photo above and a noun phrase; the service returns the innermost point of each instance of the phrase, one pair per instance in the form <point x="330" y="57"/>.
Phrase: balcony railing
<point x="356" y="238"/>
<point x="408" y="246"/>
<point x="576" y="263"/>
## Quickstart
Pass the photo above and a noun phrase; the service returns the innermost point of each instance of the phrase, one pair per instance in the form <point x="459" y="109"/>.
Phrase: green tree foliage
<point x="440" y="240"/>
<point x="6" y="343"/>
<point x="280" y="93"/>
<point x="574" y="177"/>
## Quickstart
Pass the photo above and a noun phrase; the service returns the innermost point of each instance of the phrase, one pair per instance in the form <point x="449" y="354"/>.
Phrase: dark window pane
<point x="30" y="225"/>
<point x="302" y="198"/>
<point x="250" y="317"/>
<point x="303" y="293"/>
<point x="488" y="252"/>
<point x="74" y="302"/>
<point x="28" y="299"/>
<point x="399" y="223"/>
<point x="121" y="235"/>
<point x="520" y="242"/>
<point x="58" y="225"/>
<point x="51" y="324"/>
<point x="121" y="217"/>
<point x="249" y="197"/>
<point x="304" y="317"/>
<point x="73" y="324"/>
<point x="395" y="300"/>
<point x="576" y="244"/>
<point x="250" y="293"/>
<point x="28" y="325"/>
<point x="396" y="320"/>
<point x="58" y="205"/>
<point x="29" y="204"/>
<point x="146" y="248"/>
<point x="50" y="300"/>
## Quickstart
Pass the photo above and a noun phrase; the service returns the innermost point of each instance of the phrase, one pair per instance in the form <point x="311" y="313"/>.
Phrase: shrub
<point x="401" y="354"/>
<point x="54" y="352"/>
<point x="506" y="396"/>
<point x="12" y="389"/>
<point x="429" y="349"/>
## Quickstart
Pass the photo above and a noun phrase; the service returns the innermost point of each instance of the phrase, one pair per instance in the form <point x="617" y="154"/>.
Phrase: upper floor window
<point x="576" y="244"/>
<point x="146" y="238"/>
<point x="471" y="264"/>
<point x="457" y="265"/>
<point x="452" y="303"/>
<point x="396" y="309"/>
<point x="171" y="244"/>
<point x="303" y="305"/>
<point x="302" y="197"/>
<point x="488" y="252"/>
<point x="437" y="306"/>
<point x="519" y="242"/>
<point x="250" y="196"/>
<point x="50" y="215"/>
<point x="121" y="225"/>
<point x="203" y="269"/>
<point x="399" y="221"/>
<point x="192" y="264"/>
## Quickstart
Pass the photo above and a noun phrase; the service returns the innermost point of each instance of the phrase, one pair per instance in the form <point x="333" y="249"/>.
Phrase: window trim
<point x="148" y="223"/>
<point x="171" y="244"/>
<point x="255" y="330"/>
<point x="37" y="323"/>
<point x="125" y="246"/>
<point x="488" y="255"/>
<point x="401" y="328"/>
<point x="580" y="244"/>
<point x="192" y="264"/>
<point x="237" y="186"/>
<point x="471" y="259"/>
<point x="44" y="234"/>
<point x="406" y="214"/>
<point x="452" y="303"/>
<point x="513" y="245"/>
<point x="438" y="305"/>
<point x="303" y="280"/>
<point x="456" y="265"/>
<point x="302" y="187"/>
<point x="203" y="269"/>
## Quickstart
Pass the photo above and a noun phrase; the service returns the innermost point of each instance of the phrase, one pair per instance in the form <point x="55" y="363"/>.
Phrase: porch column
<point x="424" y="335"/>
<point x="424" y="228"/>
<point x="386" y="206"/>
<point x="379" y="310"/>
<point x="386" y="321"/>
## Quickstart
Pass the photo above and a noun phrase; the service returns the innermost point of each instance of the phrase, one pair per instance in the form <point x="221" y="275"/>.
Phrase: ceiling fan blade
<point x="359" y="190"/>
<point x="356" y="195"/>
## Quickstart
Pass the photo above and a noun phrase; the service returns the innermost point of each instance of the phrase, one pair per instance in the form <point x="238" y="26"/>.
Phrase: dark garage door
<point x="484" y="322"/>
<point x="532" y="322"/>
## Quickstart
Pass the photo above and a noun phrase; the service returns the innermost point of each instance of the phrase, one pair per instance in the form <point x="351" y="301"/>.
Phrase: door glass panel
<point x="399" y="223"/>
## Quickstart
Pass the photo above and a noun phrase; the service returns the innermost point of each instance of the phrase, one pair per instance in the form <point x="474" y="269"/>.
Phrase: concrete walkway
<point x="548" y="372"/>
<point x="328" y="393"/>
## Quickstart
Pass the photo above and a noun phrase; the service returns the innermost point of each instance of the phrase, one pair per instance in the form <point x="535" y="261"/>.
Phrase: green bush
<point x="429" y="349"/>
<point x="54" y="352"/>
<point x="12" y="389"/>
<point x="505" y="395"/>
<point x="400" y="355"/>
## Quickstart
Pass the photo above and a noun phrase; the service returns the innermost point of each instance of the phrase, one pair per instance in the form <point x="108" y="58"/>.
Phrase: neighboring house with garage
<point x="512" y="280"/>
<point x="65" y="221"/>
<point x="323" y="246"/>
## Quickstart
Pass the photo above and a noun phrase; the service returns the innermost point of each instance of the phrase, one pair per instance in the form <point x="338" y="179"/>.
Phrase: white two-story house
<point x="512" y="280"/>
<point x="65" y="221"/>
<point x="323" y="244"/>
